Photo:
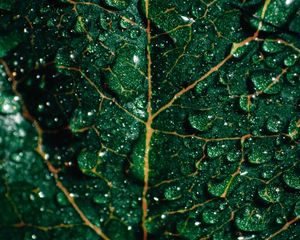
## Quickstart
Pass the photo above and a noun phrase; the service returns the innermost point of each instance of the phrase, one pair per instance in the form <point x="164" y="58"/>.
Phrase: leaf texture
<point x="149" y="119"/>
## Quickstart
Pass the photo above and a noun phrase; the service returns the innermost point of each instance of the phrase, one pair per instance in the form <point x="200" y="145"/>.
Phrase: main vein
<point x="149" y="129"/>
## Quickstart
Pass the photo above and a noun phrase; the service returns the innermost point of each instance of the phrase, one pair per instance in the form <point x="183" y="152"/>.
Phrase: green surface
<point x="158" y="120"/>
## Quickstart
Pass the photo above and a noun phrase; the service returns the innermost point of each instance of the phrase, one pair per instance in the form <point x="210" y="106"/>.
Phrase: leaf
<point x="9" y="42"/>
<point x="127" y="119"/>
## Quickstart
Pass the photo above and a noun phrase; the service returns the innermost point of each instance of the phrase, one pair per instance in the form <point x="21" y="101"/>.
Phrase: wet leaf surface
<point x="127" y="119"/>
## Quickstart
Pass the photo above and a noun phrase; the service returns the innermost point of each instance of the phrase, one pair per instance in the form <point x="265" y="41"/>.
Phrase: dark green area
<point x="223" y="157"/>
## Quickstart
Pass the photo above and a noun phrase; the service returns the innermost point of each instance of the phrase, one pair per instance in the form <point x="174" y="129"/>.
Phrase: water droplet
<point x="105" y="22"/>
<point x="62" y="199"/>
<point x="241" y="51"/>
<point x="103" y="37"/>
<point x="290" y="60"/>
<point x="202" y="86"/>
<point x="216" y="149"/>
<point x="198" y="9"/>
<point x="87" y="161"/>
<point x="268" y="173"/>
<point x="251" y="219"/>
<point x="217" y="188"/>
<point x="262" y="81"/>
<point x="156" y="199"/>
<point x="201" y="122"/>
<point x="135" y="33"/>
<point x="294" y="128"/>
<point x="275" y="124"/>
<point x="247" y="103"/>
<point x="210" y="216"/>
<point x="41" y="194"/>
<point x="234" y="156"/>
<point x="118" y="4"/>
<point x="272" y="46"/>
<point x="82" y="118"/>
<point x="293" y="75"/>
<point x="172" y="193"/>
<point x="259" y="155"/>
<point x="9" y="104"/>
<point x="270" y="194"/>
<point x="136" y="59"/>
<point x="126" y="20"/>
<point x="162" y="45"/>
<point x="100" y="198"/>
<point x="292" y="179"/>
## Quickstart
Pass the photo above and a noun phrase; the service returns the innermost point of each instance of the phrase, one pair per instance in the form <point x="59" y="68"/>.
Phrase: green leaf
<point x="129" y="120"/>
<point x="7" y="4"/>
<point x="251" y="220"/>
<point x="9" y="42"/>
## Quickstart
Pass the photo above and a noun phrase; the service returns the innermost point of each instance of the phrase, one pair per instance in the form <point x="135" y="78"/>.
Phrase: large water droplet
<point x="290" y="60"/>
<point x="293" y="75"/>
<point x="118" y="4"/>
<point x="201" y="86"/>
<point x="242" y="51"/>
<point x="126" y="20"/>
<point x="268" y="173"/>
<point x="217" y="188"/>
<point x="82" y="118"/>
<point x="9" y="104"/>
<point x="216" y="149"/>
<point x="198" y="9"/>
<point x="272" y="46"/>
<point x="294" y="128"/>
<point x="135" y="33"/>
<point x="103" y="37"/>
<point x="270" y="194"/>
<point x="62" y="199"/>
<point x="101" y="198"/>
<point x="201" y="122"/>
<point x="234" y="156"/>
<point x="172" y="193"/>
<point x="210" y="216"/>
<point x="275" y="124"/>
<point x="292" y="179"/>
<point x="87" y="161"/>
<point x="247" y="103"/>
<point x="260" y="155"/>
<point x="251" y="219"/>
<point x="266" y="82"/>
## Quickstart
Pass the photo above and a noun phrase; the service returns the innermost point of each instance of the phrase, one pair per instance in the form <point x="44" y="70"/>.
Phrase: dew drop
<point x="118" y="4"/>
<point x="251" y="220"/>
<point x="198" y="9"/>
<point x="201" y="122"/>
<point x="172" y="193"/>
<point x="87" y="161"/>
<point x="9" y="104"/>
<point x="272" y="47"/>
<point x="292" y="179"/>
<point x="259" y="155"/>
<point x="275" y="124"/>
<point x="135" y="33"/>
<point x="290" y="60"/>
<point x="210" y="216"/>
<point x="126" y="20"/>
<point x="62" y="199"/>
